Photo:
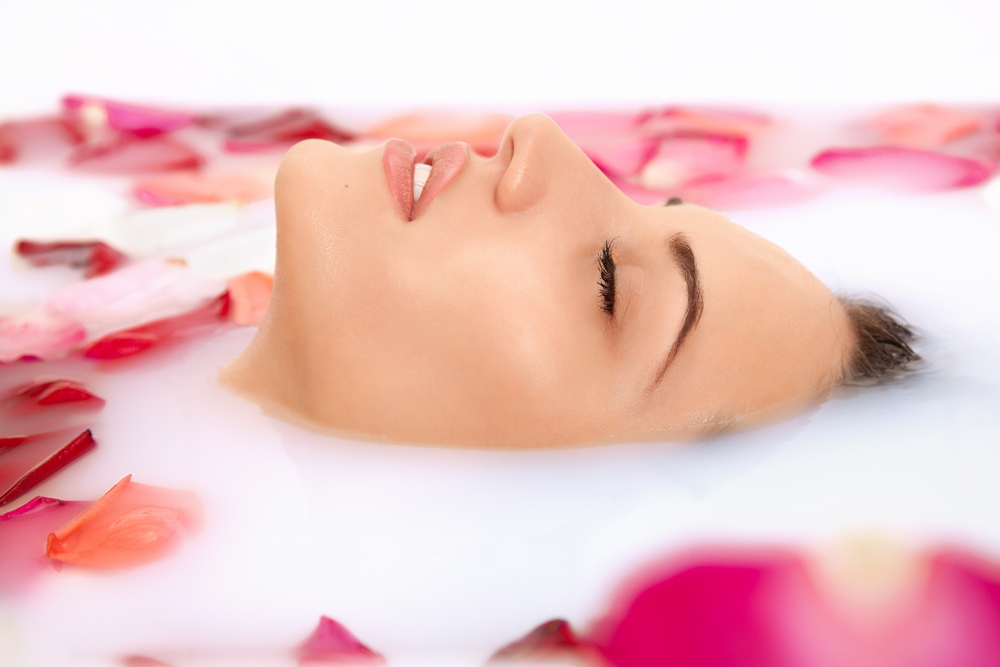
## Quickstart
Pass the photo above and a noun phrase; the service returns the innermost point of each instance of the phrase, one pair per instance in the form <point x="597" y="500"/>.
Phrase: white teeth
<point x="420" y="174"/>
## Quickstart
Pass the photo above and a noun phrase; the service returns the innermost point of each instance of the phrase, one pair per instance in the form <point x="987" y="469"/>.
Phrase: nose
<point x="538" y="153"/>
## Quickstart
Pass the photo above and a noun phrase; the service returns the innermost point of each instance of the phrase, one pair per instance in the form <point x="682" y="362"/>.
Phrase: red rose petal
<point x="132" y="341"/>
<point x="553" y="641"/>
<point x="901" y="168"/>
<point x="22" y="539"/>
<point x="332" y="643"/>
<point x="94" y="257"/>
<point x="76" y="448"/>
<point x="130" y="525"/>
<point x="282" y="130"/>
<point x="130" y="155"/>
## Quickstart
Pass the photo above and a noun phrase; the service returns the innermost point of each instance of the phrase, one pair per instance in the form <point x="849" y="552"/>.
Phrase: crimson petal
<point x="332" y="643"/>
<point x="76" y="448"/>
<point x="95" y="257"/>
<point x="36" y="138"/>
<point x="129" y="155"/>
<point x="282" y="130"/>
<point x="901" y="168"/>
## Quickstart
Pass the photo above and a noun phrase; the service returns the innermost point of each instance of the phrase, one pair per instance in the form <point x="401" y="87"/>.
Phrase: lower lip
<point x="446" y="162"/>
<point x="398" y="157"/>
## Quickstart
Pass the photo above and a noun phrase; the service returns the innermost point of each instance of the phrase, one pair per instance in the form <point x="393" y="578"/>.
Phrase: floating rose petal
<point x="39" y="335"/>
<point x="133" y="119"/>
<point x="22" y="539"/>
<point x="332" y="643"/>
<point x="925" y="125"/>
<point x="583" y="125"/>
<point x="94" y="257"/>
<point x="130" y="155"/>
<point x="620" y="157"/>
<point x="282" y="130"/>
<point x="482" y="131"/>
<point x="45" y="406"/>
<point x="54" y="392"/>
<point x="901" y="168"/>
<point x="249" y="295"/>
<point x="37" y="138"/>
<point x="553" y="641"/>
<point x="640" y="194"/>
<point x="120" y="344"/>
<point x="749" y="192"/>
<point x="670" y="120"/>
<point x="130" y="525"/>
<point x="689" y="158"/>
<point x="198" y="188"/>
<point x="14" y="488"/>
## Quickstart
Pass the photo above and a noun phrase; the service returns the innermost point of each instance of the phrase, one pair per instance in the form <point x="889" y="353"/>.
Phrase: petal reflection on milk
<point x="901" y="168"/>
<point x="332" y="644"/>
<point x="22" y="539"/>
<point x="130" y="525"/>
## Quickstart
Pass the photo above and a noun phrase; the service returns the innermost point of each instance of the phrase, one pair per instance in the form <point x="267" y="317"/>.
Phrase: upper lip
<point x="447" y="161"/>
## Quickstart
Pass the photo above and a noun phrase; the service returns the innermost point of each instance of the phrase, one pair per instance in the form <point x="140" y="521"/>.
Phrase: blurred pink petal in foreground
<point x="39" y="335"/>
<point x="130" y="525"/>
<point x="925" y="125"/>
<point x="25" y="471"/>
<point x="901" y="168"/>
<point x="36" y="138"/>
<point x="553" y="641"/>
<point x="22" y="539"/>
<point x="688" y="158"/>
<point x="776" y="609"/>
<point x="249" y="295"/>
<point x="199" y="188"/>
<point x="482" y="131"/>
<point x="95" y="257"/>
<point x="332" y="644"/>
<point x="670" y="120"/>
<point x="280" y="131"/>
<point x="753" y="191"/>
<point x="620" y="156"/>
<point x="125" y="343"/>
<point x="129" y="155"/>
<point x="140" y="121"/>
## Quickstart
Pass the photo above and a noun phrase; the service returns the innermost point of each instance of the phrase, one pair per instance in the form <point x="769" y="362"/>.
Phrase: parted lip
<point x="398" y="160"/>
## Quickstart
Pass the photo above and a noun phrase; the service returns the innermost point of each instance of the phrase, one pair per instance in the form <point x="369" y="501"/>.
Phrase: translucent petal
<point x="332" y="643"/>
<point x="901" y="168"/>
<point x="753" y="191"/>
<point x="130" y="525"/>
<point x="199" y="188"/>
<point x="39" y="335"/>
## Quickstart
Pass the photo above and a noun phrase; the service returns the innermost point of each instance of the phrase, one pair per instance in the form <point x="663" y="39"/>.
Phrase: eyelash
<point x="606" y="284"/>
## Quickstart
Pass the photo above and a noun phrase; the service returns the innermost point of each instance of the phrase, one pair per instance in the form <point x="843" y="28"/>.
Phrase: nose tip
<point x="530" y="141"/>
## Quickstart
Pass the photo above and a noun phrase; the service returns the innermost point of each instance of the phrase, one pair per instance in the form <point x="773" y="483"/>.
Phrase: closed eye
<point x="606" y="284"/>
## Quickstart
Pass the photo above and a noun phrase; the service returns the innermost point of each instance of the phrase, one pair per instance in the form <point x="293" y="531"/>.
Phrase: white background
<point x="523" y="53"/>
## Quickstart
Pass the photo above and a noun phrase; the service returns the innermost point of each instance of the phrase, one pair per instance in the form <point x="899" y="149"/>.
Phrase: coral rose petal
<point x="52" y="464"/>
<point x="95" y="257"/>
<point x="249" y="294"/>
<point x="925" y="125"/>
<point x="22" y="539"/>
<point x="130" y="155"/>
<point x="332" y="643"/>
<point x="671" y="120"/>
<point x="130" y="525"/>
<point x="182" y="188"/>
<point x="901" y="168"/>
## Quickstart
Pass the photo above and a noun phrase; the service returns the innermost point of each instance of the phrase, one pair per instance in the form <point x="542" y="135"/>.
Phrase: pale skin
<point x="480" y="322"/>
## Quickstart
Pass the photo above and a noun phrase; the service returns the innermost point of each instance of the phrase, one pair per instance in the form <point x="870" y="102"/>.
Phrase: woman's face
<point x="486" y="315"/>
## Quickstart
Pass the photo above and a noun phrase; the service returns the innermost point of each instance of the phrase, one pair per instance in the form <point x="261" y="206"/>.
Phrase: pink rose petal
<point x="688" y="158"/>
<point x="39" y="335"/>
<point x="553" y="641"/>
<point x="482" y="131"/>
<point x="130" y="525"/>
<point x="583" y="125"/>
<point x="620" y="157"/>
<point x="198" y="188"/>
<point x="282" y="130"/>
<point x="901" y="168"/>
<point x="37" y="138"/>
<point x="94" y="257"/>
<point x="753" y="191"/>
<point x="331" y="643"/>
<point x="22" y="539"/>
<point x="128" y="342"/>
<point x="925" y="125"/>
<point x="130" y="155"/>
<point x="133" y="119"/>
<point x="12" y="489"/>
<point x="670" y="120"/>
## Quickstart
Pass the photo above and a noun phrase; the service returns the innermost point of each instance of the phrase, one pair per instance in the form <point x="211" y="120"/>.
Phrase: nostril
<point x="525" y="181"/>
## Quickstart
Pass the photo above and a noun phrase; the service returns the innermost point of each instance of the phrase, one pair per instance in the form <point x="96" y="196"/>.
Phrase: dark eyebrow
<point x="680" y="251"/>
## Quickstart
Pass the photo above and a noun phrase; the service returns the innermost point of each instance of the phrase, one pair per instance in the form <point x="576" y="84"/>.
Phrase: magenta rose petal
<point x="282" y="130"/>
<point x="331" y="643"/>
<point x="134" y="119"/>
<point x="130" y="155"/>
<point x="22" y="539"/>
<point x="52" y="464"/>
<point x="901" y="168"/>
<point x="94" y="257"/>
<point x="553" y="641"/>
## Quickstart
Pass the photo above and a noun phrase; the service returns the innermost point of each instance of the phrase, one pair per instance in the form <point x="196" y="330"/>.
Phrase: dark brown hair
<point x="882" y="350"/>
